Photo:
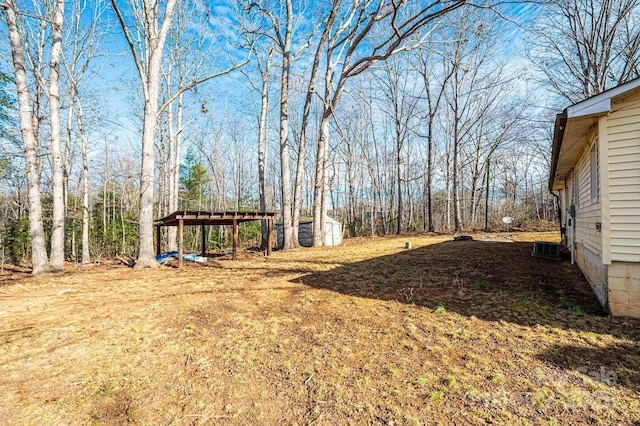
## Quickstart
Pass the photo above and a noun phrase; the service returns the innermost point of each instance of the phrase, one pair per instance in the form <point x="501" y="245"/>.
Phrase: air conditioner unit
<point x="546" y="249"/>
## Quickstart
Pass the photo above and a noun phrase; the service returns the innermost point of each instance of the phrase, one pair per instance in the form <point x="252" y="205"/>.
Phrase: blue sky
<point x="118" y="103"/>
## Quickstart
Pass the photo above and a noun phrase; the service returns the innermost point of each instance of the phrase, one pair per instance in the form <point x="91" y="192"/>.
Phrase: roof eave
<point x="558" y="136"/>
<point x="590" y="108"/>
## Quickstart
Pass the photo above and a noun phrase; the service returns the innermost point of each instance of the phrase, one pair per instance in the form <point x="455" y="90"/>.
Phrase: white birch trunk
<point x="285" y="171"/>
<point x="297" y="196"/>
<point x="86" y="257"/>
<point x="57" y="230"/>
<point x="36" y="230"/>
<point x="319" y="190"/>
<point x="262" y="150"/>
<point x="174" y="173"/>
<point x="149" y="70"/>
<point x="146" y="254"/>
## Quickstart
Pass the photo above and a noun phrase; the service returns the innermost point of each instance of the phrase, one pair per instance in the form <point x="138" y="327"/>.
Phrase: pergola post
<point x="204" y="241"/>
<point x="180" y="242"/>
<point x="235" y="238"/>
<point x="158" y="240"/>
<point x="269" y="236"/>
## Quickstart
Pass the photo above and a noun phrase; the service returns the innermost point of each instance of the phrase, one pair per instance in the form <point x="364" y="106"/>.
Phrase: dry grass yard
<point x="469" y="332"/>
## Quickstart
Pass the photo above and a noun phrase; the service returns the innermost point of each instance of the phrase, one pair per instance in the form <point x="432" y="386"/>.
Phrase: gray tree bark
<point x="262" y="144"/>
<point x="285" y="171"/>
<point x="58" y="219"/>
<point x="155" y="34"/>
<point x="86" y="256"/>
<point x="40" y="263"/>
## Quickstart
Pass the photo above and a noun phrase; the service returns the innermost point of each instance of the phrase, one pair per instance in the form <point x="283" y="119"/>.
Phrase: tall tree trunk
<point x="162" y="173"/>
<point x="171" y="232"/>
<point x="262" y="151"/>
<point x="175" y="142"/>
<point x="66" y="172"/>
<point x="146" y="255"/>
<point x="319" y="190"/>
<point x="447" y="209"/>
<point x="104" y="192"/>
<point x="149" y="70"/>
<point x="399" y="143"/>
<point x="86" y="257"/>
<point x="457" y="222"/>
<point x="58" y="219"/>
<point x="430" y="176"/>
<point x="285" y="171"/>
<point x="30" y="145"/>
<point x="350" y="190"/>
<point x="297" y="196"/>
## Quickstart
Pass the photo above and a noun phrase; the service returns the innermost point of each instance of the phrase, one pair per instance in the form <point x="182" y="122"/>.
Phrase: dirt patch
<point x="468" y="332"/>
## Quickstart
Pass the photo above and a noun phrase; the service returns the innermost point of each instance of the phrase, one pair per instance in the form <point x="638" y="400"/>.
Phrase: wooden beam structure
<point x="193" y="218"/>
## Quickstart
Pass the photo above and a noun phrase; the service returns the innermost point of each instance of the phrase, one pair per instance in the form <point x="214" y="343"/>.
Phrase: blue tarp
<point x="163" y="257"/>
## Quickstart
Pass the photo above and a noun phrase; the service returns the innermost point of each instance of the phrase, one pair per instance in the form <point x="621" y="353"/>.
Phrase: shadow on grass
<point x="498" y="281"/>
<point x="489" y="280"/>
<point x="614" y="365"/>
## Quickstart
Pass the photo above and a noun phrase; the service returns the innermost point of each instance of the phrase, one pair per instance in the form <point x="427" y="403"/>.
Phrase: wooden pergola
<point x="194" y="218"/>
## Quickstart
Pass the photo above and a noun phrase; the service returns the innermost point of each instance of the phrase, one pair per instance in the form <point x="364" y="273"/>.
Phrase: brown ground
<point x="469" y="332"/>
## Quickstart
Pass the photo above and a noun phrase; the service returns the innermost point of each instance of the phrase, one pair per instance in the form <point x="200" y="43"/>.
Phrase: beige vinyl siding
<point x="623" y="133"/>
<point x="570" y="202"/>
<point x="570" y="198"/>
<point x="587" y="209"/>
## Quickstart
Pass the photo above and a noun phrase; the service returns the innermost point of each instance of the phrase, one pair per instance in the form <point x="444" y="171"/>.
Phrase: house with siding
<point x="595" y="171"/>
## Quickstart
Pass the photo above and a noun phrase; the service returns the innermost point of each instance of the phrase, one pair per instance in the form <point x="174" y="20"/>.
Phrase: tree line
<point x="390" y="116"/>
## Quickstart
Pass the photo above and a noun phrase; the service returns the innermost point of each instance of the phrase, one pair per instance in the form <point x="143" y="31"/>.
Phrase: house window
<point x="595" y="173"/>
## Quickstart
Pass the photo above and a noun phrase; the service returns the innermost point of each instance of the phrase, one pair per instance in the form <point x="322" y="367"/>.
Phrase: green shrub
<point x="17" y="241"/>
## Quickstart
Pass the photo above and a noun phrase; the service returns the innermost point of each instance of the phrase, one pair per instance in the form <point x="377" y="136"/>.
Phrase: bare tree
<point x="50" y="14"/>
<point x="30" y="143"/>
<point x="464" y="58"/>
<point x="264" y="58"/>
<point x="434" y="80"/>
<point x="58" y="219"/>
<point x="146" y="36"/>
<point x="400" y="93"/>
<point x="147" y="53"/>
<point x="190" y="55"/>
<point x="283" y="29"/>
<point x="262" y="141"/>
<point x="304" y="122"/>
<point x="583" y="47"/>
<point x="281" y="32"/>
<point x="350" y="51"/>
<point x="284" y="42"/>
<point x="84" y="48"/>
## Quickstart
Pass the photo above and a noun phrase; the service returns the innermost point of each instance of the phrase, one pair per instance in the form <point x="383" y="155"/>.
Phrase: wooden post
<point x="180" y="242"/>
<point x="204" y="241"/>
<point x="158" y="240"/>
<point x="269" y="236"/>
<point x="235" y="238"/>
